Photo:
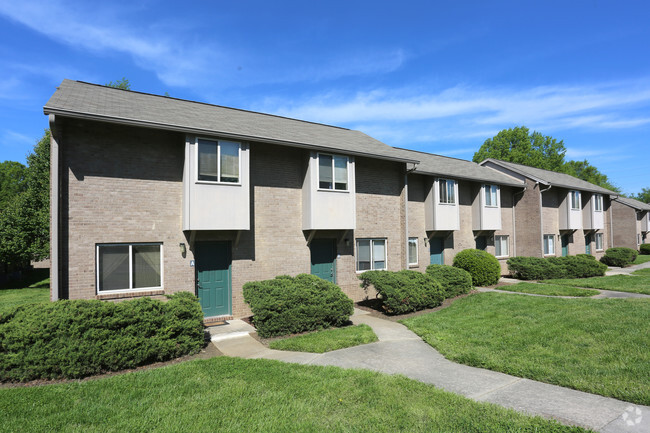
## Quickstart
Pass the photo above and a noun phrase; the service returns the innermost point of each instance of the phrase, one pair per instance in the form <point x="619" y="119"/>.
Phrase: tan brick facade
<point x="627" y="227"/>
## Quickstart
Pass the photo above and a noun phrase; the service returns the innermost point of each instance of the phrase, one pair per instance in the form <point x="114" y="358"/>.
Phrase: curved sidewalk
<point x="400" y="351"/>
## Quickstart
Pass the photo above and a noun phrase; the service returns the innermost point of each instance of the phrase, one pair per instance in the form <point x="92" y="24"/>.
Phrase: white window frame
<point x="372" y="258"/>
<point x="601" y="237"/>
<point x="218" y="142"/>
<point x="598" y="202"/>
<point x="578" y="199"/>
<point x="347" y="171"/>
<point x="496" y="245"/>
<point x="131" y="288"/>
<point x="494" y="190"/>
<point x="453" y="196"/>
<point x="549" y="251"/>
<point x="417" y="253"/>
<point x="638" y="239"/>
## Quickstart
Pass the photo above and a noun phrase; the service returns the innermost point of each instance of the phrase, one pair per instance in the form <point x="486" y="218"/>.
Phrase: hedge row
<point x="454" y="281"/>
<point x="73" y="339"/>
<point x="537" y="268"/>
<point x="481" y="265"/>
<point x="287" y="305"/>
<point x="619" y="256"/>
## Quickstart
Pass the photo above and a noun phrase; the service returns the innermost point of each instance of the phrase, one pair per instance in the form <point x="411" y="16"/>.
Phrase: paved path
<point x="400" y="351"/>
<point x="628" y="270"/>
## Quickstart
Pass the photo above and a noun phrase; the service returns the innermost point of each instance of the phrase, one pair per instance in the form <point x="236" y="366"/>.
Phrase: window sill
<point x="346" y="191"/>
<point x="447" y="204"/>
<point x="502" y="257"/>
<point x="413" y="265"/>
<point x="129" y="294"/>
<point x="207" y="182"/>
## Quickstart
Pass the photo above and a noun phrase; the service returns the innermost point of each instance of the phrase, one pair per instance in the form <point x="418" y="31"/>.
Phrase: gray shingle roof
<point x="551" y="177"/>
<point x="635" y="204"/>
<point x="92" y="101"/>
<point x="445" y="166"/>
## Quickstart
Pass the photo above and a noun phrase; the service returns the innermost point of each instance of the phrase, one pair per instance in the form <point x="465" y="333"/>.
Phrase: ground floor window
<point x="413" y="251"/>
<point x="129" y="266"/>
<point x="638" y="238"/>
<point x="371" y="254"/>
<point x="599" y="241"/>
<point x="549" y="245"/>
<point x="501" y="246"/>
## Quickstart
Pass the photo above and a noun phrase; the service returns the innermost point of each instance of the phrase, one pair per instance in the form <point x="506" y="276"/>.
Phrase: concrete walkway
<point x="628" y="270"/>
<point x="400" y="351"/>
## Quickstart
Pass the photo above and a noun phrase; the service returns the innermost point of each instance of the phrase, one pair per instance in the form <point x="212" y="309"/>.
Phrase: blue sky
<point x="427" y="75"/>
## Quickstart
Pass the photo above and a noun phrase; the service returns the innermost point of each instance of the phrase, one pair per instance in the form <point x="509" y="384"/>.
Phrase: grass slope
<point x="34" y="287"/>
<point x="548" y="289"/>
<point x="641" y="259"/>
<point x="230" y="394"/>
<point x="594" y="345"/>
<point x="621" y="283"/>
<point x="327" y="340"/>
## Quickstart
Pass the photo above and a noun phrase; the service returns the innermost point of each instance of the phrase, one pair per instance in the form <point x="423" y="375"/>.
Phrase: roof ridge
<point x="438" y="155"/>
<point x="215" y="105"/>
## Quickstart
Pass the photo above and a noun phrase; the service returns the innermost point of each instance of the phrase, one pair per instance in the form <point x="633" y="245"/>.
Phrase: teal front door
<point x="481" y="243"/>
<point x="436" y="248"/>
<point x="565" y="245"/>
<point x="213" y="278"/>
<point x="323" y="258"/>
<point x="588" y="243"/>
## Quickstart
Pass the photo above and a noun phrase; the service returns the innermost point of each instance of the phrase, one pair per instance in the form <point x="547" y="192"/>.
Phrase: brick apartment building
<point x="631" y="222"/>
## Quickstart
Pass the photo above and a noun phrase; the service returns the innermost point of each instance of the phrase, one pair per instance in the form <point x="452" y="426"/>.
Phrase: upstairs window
<point x="218" y="161"/>
<point x="575" y="200"/>
<point x="598" y="203"/>
<point x="447" y="191"/>
<point x="491" y="195"/>
<point x="333" y="172"/>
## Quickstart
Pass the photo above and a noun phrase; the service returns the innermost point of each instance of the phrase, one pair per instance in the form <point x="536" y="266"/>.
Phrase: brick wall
<point x="625" y="226"/>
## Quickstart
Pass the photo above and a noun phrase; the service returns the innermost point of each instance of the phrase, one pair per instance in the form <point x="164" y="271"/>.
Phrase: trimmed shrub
<point x="537" y="268"/>
<point x="404" y="291"/>
<point x="619" y="256"/>
<point x="287" y="305"/>
<point x="481" y="265"/>
<point x="454" y="281"/>
<point x="73" y="339"/>
<point x="644" y="249"/>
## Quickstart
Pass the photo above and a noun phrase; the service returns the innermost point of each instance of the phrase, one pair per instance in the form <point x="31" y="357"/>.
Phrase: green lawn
<point x="231" y="394"/>
<point x="548" y="289"/>
<point x="327" y="340"/>
<point x="34" y="287"/>
<point x="641" y="259"/>
<point x="642" y="272"/>
<point x="622" y="283"/>
<point x="594" y="345"/>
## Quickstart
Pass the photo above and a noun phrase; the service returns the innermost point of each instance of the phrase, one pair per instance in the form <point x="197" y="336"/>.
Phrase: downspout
<point x="54" y="211"/>
<point x="611" y="223"/>
<point x="406" y="214"/>
<point x="541" y="217"/>
<point x="514" y="222"/>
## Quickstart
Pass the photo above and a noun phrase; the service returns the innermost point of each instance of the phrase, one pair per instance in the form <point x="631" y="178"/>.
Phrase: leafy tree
<point x="585" y="171"/>
<point x="120" y="84"/>
<point x="643" y="196"/>
<point x="518" y="145"/>
<point x="25" y="222"/>
<point x="12" y="181"/>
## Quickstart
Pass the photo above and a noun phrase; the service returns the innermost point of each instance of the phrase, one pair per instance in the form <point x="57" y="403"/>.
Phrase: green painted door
<point x="213" y="278"/>
<point x="481" y="243"/>
<point x="323" y="258"/>
<point x="588" y="243"/>
<point x="565" y="245"/>
<point x="436" y="248"/>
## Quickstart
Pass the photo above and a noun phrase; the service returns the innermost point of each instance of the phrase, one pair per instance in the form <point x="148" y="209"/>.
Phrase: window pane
<point x="113" y="267"/>
<point x="146" y="266"/>
<point x="442" y="188"/>
<point x="379" y="254"/>
<point x="451" y="196"/>
<point x="413" y="250"/>
<point x="341" y="172"/>
<point x="229" y="161"/>
<point x="325" y="171"/>
<point x="363" y="255"/>
<point x="208" y="160"/>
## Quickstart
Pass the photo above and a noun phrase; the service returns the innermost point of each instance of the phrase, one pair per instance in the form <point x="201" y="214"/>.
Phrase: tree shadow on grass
<point x="32" y="278"/>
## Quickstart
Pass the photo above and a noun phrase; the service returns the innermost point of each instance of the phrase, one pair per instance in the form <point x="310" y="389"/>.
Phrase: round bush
<point x="454" y="281"/>
<point x="404" y="291"/>
<point x="619" y="256"/>
<point x="644" y="249"/>
<point x="481" y="265"/>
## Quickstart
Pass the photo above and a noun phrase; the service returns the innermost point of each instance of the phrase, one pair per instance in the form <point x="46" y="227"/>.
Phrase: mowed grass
<point x="231" y="394"/>
<point x="641" y="259"/>
<point x="327" y="340"/>
<point x="34" y="287"/>
<point x="548" y="289"/>
<point x="638" y="283"/>
<point x="594" y="345"/>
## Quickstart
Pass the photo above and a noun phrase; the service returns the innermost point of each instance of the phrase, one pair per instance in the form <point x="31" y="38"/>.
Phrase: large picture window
<point x="333" y="172"/>
<point x="447" y="191"/>
<point x="371" y="254"/>
<point x="501" y="246"/>
<point x="549" y="245"/>
<point x="129" y="266"/>
<point x="575" y="200"/>
<point x="218" y="160"/>
<point x="491" y="195"/>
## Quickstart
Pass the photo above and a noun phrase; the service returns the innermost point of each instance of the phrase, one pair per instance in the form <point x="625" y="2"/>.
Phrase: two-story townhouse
<point x="631" y="222"/>
<point x="455" y="204"/>
<point x="151" y="195"/>
<point x="558" y="214"/>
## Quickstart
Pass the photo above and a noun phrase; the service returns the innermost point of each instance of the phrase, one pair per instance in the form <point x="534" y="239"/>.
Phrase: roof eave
<point x="473" y="179"/>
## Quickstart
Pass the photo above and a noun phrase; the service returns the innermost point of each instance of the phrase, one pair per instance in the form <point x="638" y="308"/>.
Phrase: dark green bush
<point x="454" y="281"/>
<point x="644" y="249"/>
<point x="537" y="268"/>
<point x="73" y="339"/>
<point x="481" y="265"/>
<point x="287" y="305"/>
<point x="404" y="291"/>
<point x="619" y="256"/>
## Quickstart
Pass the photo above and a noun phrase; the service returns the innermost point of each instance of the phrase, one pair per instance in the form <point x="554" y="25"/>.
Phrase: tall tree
<point x="585" y="171"/>
<point x="12" y="181"/>
<point x="643" y="196"/>
<point x="120" y="84"/>
<point x="518" y="145"/>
